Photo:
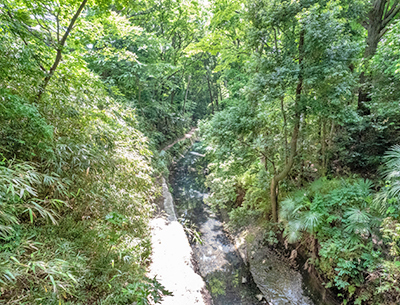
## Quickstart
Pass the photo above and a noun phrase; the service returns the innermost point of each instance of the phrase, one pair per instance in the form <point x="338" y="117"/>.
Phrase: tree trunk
<point x="293" y="144"/>
<point x="139" y="93"/>
<point x="172" y="97"/>
<point x="210" y="92"/>
<point x="285" y="141"/>
<point x="60" y="46"/>
<point x="283" y="174"/>
<point x="216" y="100"/>
<point x="216" y="95"/>
<point x="314" y="247"/>
<point x="363" y="95"/>
<point x="274" y="200"/>
<point x="380" y="16"/>
<point x="186" y="94"/>
<point x="323" y="148"/>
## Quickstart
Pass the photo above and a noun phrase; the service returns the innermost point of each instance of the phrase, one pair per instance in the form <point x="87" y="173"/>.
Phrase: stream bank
<point x="172" y="256"/>
<point x="268" y="263"/>
<point x="237" y="269"/>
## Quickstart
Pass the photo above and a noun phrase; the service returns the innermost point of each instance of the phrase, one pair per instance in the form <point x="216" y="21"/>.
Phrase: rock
<point x="244" y="280"/>
<point x="171" y="259"/>
<point x="278" y="282"/>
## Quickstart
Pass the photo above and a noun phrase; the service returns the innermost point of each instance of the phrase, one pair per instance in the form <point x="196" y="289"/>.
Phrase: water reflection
<point x="228" y="278"/>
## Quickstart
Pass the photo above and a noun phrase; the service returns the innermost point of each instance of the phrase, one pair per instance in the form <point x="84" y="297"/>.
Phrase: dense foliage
<point x="301" y="139"/>
<point x="298" y="104"/>
<point x="81" y="84"/>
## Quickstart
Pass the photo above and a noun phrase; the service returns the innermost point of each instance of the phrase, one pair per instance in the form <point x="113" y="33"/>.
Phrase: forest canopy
<point x="298" y="108"/>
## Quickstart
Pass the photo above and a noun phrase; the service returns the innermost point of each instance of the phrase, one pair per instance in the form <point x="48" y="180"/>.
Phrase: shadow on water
<point x="228" y="278"/>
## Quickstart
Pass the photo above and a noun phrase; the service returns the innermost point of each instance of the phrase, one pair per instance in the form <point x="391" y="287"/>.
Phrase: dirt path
<point x="186" y="136"/>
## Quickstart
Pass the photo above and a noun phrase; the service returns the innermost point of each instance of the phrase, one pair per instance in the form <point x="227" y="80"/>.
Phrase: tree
<point x="381" y="15"/>
<point x="297" y="44"/>
<point x="146" y="61"/>
<point x="47" y="22"/>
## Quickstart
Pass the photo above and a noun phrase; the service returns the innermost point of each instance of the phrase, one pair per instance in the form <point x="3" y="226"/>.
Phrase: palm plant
<point x="302" y="215"/>
<point x="360" y="217"/>
<point x="326" y="205"/>
<point x="290" y="208"/>
<point x="389" y="194"/>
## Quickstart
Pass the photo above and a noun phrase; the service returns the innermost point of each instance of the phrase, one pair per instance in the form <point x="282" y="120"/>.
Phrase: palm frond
<point x="356" y="215"/>
<point x="358" y="221"/>
<point x="365" y="187"/>
<point x="392" y="163"/>
<point x="293" y="231"/>
<point x="391" y="173"/>
<point x="311" y="220"/>
<point x="287" y="208"/>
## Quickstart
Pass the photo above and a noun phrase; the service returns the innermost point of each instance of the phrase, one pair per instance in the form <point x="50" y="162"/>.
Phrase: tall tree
<point x="296" y="48"/>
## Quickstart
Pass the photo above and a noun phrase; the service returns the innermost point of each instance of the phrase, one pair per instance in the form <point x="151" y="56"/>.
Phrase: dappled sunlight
<point x="171" y="264"/>
<point x="291" y="192"/>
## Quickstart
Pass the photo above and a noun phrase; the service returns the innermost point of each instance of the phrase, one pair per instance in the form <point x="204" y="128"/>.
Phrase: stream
<point x="228" y="278"/>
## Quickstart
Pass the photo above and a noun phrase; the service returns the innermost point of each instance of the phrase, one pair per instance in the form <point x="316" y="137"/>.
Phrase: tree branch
<point x="259" y="151"/>
<point x="383" y="32"/>
<point x="58" y="27"/>
<point x="60" y="47"/>
<point x="72" y="23"/>
<point x="394" y="10"/>
<point x="186" y="94"/>
<point x="284" y="129"/>
<point x="19" y="25"/>
<point x="35" y="57"/>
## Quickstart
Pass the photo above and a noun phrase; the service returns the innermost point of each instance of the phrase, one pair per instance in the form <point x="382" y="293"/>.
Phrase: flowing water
<point x="228" y="278"/>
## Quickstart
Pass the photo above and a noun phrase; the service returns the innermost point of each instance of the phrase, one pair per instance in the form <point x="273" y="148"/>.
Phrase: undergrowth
<point x="76" y="192"/>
